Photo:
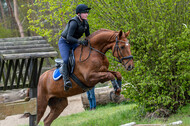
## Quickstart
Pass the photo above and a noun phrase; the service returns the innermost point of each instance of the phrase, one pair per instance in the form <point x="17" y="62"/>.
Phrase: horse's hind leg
<point x="41" y="107"/>
<point x="57" y="105"/>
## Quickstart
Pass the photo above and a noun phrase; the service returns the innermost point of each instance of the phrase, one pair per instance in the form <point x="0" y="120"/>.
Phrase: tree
<point x="11" y="13"/>
<point x="3" y="15"/>
<point x="17" y="19"/>
<point x="50" y="17"/>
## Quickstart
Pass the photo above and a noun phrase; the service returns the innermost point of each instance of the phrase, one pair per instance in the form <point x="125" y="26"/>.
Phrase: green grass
<point x="115" y="115"/>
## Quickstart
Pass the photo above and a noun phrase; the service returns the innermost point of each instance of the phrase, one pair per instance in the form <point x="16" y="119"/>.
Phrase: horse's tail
<point x="25" y="115"/>
<point x="27" y="98"/>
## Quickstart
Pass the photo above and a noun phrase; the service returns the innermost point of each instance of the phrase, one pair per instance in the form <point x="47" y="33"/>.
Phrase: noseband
<point x="120" y="59"/>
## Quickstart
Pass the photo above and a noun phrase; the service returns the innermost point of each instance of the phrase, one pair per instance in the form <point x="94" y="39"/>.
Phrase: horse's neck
<point x="103" y="42"/>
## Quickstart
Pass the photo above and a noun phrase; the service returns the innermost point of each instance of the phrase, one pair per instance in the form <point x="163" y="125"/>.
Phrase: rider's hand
<point x="84" y="42"/>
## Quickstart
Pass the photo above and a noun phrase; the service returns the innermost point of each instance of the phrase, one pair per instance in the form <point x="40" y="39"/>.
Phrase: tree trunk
<point x="3" y="15"/>
<point x="10" y="10"/>
<point x="17" y="19"/>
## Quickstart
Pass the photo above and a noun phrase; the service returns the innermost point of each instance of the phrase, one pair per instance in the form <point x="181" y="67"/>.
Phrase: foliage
<point x="8" y="22"/>
<point x="5" y="33"/>
<point x="160" y="43"/>
<point x="48" y="18"/>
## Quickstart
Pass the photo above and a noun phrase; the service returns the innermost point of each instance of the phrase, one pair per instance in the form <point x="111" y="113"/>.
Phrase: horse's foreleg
<point x="95" y="77"/>
<point x="57" y="105"/>
<point x="117" y="83"/>
<point x="116" y="74"/>
<point x="102" y="77"/>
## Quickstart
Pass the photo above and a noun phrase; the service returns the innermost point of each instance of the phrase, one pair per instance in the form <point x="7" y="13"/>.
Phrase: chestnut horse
<point x="92" y="70"/>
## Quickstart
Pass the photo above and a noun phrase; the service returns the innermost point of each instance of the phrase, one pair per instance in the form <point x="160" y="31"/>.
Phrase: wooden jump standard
<point x="21" y="61"/>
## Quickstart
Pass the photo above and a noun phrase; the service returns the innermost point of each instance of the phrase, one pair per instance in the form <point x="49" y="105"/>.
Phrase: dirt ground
<point x="75" y="106"/>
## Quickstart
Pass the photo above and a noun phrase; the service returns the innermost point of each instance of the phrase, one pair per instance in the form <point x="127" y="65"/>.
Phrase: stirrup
<point x="66" y="88"/>
<point x="67" y="85"/>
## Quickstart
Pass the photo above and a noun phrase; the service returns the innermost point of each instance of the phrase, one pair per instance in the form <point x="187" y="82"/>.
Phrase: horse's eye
<point x="122" y="47"/>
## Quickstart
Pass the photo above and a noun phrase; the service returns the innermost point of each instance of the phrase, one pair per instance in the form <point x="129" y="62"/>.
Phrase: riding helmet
<point x="82" y="8"/>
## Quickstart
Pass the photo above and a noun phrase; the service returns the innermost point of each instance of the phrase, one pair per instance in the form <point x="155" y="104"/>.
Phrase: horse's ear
<point x="120" y="34"/>
<point x="127" y="33"/>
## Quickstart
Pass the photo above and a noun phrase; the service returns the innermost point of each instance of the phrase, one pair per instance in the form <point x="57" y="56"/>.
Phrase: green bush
<point x="160" y="43"/>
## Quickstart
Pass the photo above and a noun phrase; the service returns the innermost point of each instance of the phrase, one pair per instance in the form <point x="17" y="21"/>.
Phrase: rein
<point x="115" y="48"/>
<point x="91" y="48"/>
<point x="82" y="52"/>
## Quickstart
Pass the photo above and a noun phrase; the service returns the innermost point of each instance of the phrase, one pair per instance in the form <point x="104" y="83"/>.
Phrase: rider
<point x="69" y="39"/>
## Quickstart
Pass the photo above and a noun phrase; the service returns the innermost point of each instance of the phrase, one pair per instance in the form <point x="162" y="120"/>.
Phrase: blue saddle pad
<point x="56" y="74"/>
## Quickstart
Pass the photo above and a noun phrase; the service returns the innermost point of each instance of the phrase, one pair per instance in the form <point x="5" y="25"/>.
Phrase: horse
<point x="91" y="67"/>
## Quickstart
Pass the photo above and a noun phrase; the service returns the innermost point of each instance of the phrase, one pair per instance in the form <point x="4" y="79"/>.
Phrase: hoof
<point x="118" y="92"/>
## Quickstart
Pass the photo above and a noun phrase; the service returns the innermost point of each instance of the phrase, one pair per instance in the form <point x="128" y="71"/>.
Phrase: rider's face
<point x="84" y="16"/>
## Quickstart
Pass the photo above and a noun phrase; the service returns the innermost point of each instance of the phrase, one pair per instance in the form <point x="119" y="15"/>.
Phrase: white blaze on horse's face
<point x="127" y="43"/>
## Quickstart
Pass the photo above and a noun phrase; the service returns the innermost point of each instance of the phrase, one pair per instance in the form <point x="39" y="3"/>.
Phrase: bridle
<point x="116" y="48"/>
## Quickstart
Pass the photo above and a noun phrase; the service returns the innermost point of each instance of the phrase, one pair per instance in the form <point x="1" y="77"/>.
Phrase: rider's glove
<point x="84" y="42"/>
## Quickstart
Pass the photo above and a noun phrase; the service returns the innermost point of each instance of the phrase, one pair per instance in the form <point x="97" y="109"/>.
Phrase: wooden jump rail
<point x="21" y="61"/>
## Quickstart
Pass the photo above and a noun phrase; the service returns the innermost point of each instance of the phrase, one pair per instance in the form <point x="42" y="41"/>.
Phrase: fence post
<point x="32" y="118"/>
<point x="33" y="88"/>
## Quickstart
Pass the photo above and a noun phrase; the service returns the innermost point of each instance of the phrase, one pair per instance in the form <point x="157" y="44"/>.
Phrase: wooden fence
<point x="21" y="61"/>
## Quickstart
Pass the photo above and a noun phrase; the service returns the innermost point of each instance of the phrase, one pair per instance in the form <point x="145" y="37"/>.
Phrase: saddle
<point x="57" y="75"/>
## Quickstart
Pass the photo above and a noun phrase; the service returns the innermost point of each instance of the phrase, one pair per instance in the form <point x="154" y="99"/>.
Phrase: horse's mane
<point x="98" y="32"/>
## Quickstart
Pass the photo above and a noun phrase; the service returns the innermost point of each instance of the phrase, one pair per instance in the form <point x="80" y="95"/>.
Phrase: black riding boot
<point x="64" y="71"/>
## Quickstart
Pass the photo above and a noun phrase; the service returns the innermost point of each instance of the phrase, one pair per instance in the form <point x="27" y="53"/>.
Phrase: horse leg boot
<point x="116" y="87"/>
<point x="64" y="71"/>
<point x="118" y="76"/>
<point x="119" y="83"/>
